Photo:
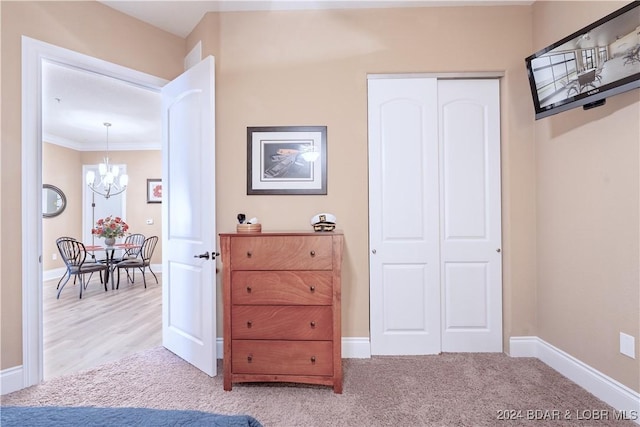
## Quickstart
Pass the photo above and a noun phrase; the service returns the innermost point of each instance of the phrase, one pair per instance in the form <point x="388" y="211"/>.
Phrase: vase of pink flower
<point x="110" y="228"/>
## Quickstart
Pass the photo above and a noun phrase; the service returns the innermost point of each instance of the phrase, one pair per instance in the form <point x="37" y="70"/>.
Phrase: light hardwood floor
<point x="102" y="326"/>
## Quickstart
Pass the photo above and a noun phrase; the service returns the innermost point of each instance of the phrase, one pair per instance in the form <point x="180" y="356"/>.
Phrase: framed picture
<point x="154" y="191"/>
<point x="287" y="160"/>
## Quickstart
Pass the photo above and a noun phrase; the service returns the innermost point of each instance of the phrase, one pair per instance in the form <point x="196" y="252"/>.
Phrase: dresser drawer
<point x="281" y="253"/>
<point x="281" y="287"/>
<point x="282" y="357"/>
<point x="281" y="322"/>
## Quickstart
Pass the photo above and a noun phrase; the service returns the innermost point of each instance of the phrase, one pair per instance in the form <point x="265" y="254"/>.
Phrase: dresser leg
<point x="227" y="384"/>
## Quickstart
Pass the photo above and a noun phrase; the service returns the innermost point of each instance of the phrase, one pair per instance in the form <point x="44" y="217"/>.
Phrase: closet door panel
<point x="403" y="197"/>
<point x="470" y="208"/>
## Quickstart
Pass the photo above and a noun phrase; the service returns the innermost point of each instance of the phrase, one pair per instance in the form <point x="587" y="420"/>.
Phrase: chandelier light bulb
<point x="91" y="177"/>
<point x="108" y="178"/>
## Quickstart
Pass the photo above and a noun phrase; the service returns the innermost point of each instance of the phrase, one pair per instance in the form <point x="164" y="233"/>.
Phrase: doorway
<point x="435" y="215"/>
<point x="34" y="53"/>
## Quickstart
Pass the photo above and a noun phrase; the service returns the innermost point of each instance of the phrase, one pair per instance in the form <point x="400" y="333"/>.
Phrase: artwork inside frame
<point x="287" y="160"/>
<point x="154" y="190"/>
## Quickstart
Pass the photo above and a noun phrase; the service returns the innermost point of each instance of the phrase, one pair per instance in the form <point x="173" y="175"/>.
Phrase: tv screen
<point x="583" y="69"/>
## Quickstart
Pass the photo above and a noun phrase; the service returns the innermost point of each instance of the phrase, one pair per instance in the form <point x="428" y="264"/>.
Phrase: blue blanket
<point x="55" y="416"/>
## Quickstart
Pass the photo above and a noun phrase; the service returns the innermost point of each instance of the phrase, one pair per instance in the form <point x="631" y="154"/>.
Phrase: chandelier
<point x="107" y="185"/>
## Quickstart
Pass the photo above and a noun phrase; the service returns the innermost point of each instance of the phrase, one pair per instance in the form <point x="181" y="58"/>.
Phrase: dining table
<point x="110" y="259"/>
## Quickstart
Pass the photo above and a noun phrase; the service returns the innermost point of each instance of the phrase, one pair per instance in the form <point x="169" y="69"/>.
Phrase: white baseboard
<point x="352" y="348"/>
<point x="356" y="348"/>
<point x="11" y="380"/>
<point x="55" y="273"/>
<point x="605" y="388"/>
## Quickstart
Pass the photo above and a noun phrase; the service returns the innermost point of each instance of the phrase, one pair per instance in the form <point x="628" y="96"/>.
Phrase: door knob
<point x="204" y="255"/>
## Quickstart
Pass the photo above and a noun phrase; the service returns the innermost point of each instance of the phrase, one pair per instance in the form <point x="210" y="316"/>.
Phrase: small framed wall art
<point x="287" y="160"/>
<point x="154" y="190"/>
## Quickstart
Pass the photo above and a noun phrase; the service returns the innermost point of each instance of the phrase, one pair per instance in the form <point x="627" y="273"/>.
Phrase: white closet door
<point x="434" y="215"/>
<point x="471" y="275"/>
<point x="403" y="200"/>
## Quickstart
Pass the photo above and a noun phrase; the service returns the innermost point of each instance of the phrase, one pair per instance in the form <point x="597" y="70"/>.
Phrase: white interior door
<point x="188" y="226"/>
<point x="403" y="205"/>
<point x="434" y="194"/>
<point x="471" y="258"/>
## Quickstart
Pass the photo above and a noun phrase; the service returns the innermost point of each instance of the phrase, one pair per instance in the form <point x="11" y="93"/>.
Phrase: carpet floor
<point x="451" y="389"/>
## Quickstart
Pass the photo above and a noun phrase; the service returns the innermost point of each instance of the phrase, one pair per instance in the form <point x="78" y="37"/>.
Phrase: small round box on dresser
<point x="249" y="228"/>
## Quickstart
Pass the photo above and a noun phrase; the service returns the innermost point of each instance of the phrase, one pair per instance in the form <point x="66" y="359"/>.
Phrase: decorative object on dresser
<point x="282" y="318"/>
<point x="248" y="225"/>
<point x="323" y="222"/>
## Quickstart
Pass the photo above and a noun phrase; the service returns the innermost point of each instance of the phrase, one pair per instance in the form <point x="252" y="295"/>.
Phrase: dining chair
<point x="141" y="263"/>
<point x="66" y="273"/>
<point x="136" y="240"/>
<point x="74" y="254"/>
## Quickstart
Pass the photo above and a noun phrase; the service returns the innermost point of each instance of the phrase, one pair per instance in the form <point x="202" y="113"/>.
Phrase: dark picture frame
<point x="154" y="190"/>
<point x="287" y="160"/>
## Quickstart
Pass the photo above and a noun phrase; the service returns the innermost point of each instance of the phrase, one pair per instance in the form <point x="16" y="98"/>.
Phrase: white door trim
<point x="33" y="53"/>
<point x="441" y="76"/>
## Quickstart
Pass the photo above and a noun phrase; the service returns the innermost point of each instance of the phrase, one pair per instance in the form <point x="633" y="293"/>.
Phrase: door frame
<point x="33" y="53"/>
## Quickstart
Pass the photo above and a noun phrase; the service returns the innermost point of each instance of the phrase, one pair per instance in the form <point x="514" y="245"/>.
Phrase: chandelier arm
<point x="106" y="196"/>
<point x="120" y="191"/>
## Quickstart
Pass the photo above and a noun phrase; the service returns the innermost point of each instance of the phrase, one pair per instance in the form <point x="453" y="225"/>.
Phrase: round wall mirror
<point x="53" y="201"/>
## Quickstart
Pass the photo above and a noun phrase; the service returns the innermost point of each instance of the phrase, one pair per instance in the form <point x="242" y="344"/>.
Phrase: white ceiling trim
<point x="113" y="146"/>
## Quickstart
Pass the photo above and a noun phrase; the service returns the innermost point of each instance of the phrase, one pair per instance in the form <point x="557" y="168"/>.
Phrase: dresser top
<point x="285" y="233"/>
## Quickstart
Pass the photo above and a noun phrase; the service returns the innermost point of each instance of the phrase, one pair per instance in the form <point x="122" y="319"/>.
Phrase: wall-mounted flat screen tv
<point x="583" y="69"/>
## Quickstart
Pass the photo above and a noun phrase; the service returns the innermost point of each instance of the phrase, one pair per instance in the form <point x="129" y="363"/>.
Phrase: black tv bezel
<point x="619" y="86"/>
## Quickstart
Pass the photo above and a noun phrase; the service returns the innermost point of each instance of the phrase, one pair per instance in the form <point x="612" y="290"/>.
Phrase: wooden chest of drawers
<point x="281" y="294"/>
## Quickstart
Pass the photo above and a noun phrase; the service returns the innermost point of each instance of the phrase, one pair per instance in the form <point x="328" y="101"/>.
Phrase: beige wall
<point x="588" y="199"/>
<point x="310" y="68"/>
<point x="86" y="27"/>
<point x="62" y="167"/>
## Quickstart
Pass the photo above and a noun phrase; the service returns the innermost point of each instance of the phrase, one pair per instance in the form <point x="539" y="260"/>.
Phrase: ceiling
<point x="76" y="103"/>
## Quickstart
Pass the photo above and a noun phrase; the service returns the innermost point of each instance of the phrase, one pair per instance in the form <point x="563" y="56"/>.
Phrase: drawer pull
<point x="312" y="253"/>
<point x="313" y="324"/>
<point x="312" y="288"/>
<point x="249" y="254"/>
<point x="250" y="358"/>
<point x="249" y="289"/>
<point x="249" y="323"/>
<point x="313" y="359"/>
